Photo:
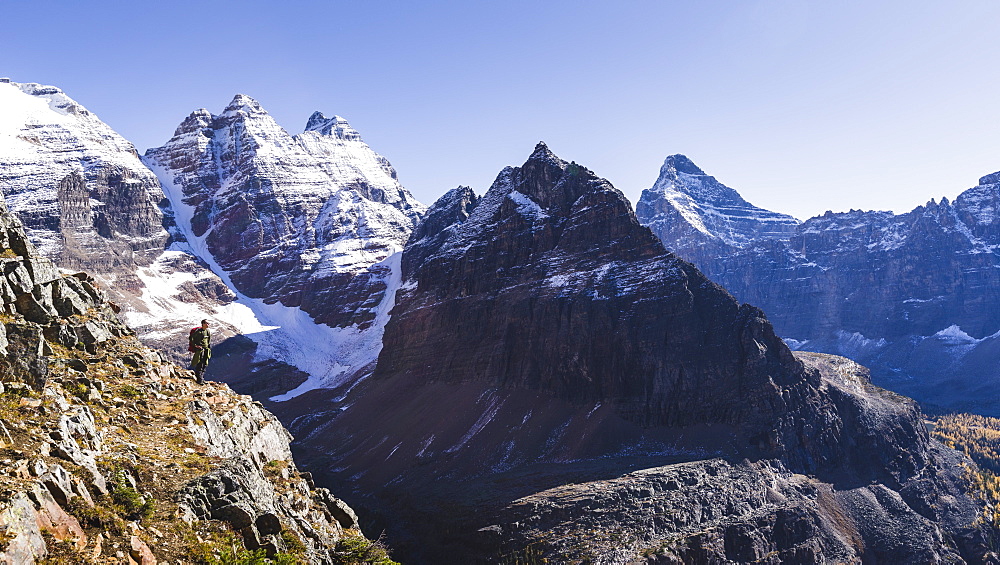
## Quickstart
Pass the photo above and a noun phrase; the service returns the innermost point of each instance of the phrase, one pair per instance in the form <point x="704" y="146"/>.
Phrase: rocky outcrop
<point x="111" y="453"/>
<point x="699" y="218"/>
<point x="307" y="221"/>
<point x="63" y="309"/>
<point x="910" y="295"/>
<point x="713" y="511"/>
<point x="544" y="338"/>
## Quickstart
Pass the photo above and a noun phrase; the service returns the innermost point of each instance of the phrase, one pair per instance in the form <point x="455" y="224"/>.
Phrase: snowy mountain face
<point x="306" y="220"/>
<point x="699" y="217"/>
<point x="305" y="229"/>
<point x="85" y="198"/>
<point x="890" y="291"/>
<point x="89" y="203"/>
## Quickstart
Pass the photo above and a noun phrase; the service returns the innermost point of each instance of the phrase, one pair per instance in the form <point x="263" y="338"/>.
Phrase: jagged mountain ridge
<point x="542" y="337"/>
<point x="291" y="219"/>
<point x="703" y="218"/>
<point x="306" y="229"/>
<point x="567" y="406"/>
<point x="910" y="295"/>
<point x="97" y="430"/>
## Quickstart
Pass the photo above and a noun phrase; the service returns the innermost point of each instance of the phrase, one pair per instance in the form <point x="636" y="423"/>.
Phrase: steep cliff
<point x="542" y="337"/>
<point x="85" y="198"/>
<point x="109" y="454"/>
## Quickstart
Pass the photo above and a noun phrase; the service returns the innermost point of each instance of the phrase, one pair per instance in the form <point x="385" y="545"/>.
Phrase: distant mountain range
<point x="913" y="296"/>
<point x="525" y="375"/>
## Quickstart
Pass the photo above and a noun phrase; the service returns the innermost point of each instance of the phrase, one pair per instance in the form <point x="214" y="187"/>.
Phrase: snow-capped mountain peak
<point x="695" y="215"/>
<point x="680" y="164"/>
<point x="84" y="197"/>
<point x="680" y="175"/>
<point x="306" y="225"/>
<point x="335" y="126"/>
<point x="243" y="104"/>
<point x="543" y="153"/>
<point x="196" y="121"/>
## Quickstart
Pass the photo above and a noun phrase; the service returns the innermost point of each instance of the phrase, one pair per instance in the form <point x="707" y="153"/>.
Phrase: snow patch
<point x="527" y="207"/>
<point x="330" y="356"/>
<point x="953" y="335"/>
<point x="485" y="418"/>
<point x="795" y="344"/>
<point x="855" y="345"/>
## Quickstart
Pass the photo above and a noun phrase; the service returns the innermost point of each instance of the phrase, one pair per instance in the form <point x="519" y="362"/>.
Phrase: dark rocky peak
<point x="578" y="300"/>
<point x="438" y="223"/>
<point x="454" y="207"/>
<point x="553" y="187"/>
<point x="542" y="153"/>
<point x="316" y="120"/>
<point x="544" y="179"/>
<point x="545" y="205"/>
<point x="335" y="126"/>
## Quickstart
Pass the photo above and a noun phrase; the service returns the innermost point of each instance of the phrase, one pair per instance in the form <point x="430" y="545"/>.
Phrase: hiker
<point x="200" y="343"/>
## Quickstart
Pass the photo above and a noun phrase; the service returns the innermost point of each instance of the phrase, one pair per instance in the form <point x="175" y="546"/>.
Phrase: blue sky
<point x="801" y="106"/>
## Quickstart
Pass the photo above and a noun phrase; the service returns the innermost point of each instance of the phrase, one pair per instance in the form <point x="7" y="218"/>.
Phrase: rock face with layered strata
<point x="303" y="220"/>
<point x="85" y="198"/>
<point x="87" y="202"/>
<point x="544" y="338"/>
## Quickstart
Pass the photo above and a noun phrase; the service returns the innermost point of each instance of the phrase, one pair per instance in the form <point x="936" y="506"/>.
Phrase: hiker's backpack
<point x="191" y="347"/>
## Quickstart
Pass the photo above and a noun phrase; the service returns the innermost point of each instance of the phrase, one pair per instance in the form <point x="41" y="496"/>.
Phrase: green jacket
<point x="201" y="338"/>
